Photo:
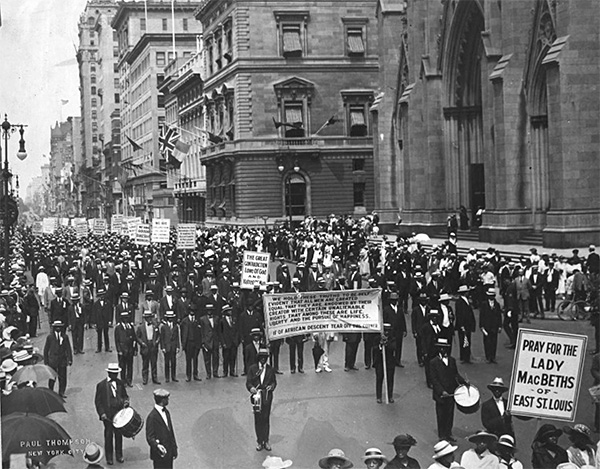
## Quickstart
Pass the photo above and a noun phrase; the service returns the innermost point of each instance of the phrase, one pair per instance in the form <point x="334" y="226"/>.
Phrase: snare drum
<point x="128" y="422"/>
<point x="467" y="399"/>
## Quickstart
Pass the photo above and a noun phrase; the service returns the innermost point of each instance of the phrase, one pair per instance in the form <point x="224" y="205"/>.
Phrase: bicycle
<point x="575" y="310"/>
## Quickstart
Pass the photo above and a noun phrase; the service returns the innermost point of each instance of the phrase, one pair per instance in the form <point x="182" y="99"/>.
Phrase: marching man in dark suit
<point x="77" y="322"/>
<point x="444" y="378"/>
<point x="102" y="317"/>
<point x="490" y="323"/>
<point x="126" y="344"/>
<point x="58" y="355"/>
<point x="58" y="308"/>
<point x="148" y="338"/>
<point x="495" y="416"/>
<point x="169" y="343"/>
<point x="387" y="345"/>
<point x="111" y="397"/>
<point x="230" y="340"/>
<point x="261" y="381"/>
<point x="465" y="324"/>
<point x="210" y="342"/>
<point x="159" y="432"/>
<point x="191" y="343"/>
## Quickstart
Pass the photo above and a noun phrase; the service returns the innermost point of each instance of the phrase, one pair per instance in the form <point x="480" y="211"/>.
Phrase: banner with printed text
<point x="290" y="314"/>
<point x="142" y="234"/>
<point x="116" y="223"/>
<point x="130" y="225"/>
<point x="81" y="228"/>
<point x="546" y="374"/>
<point x="36" y="228"/>
<point x="160" y="230"/>
<point x="99" y="226"/>
<point x="186" y="236"/>
<point x="49" y="225"/>
<point x="255" y="269"/>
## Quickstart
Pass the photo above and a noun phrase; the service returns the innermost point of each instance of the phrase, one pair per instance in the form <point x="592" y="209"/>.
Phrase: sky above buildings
<point x="38" y="71"/>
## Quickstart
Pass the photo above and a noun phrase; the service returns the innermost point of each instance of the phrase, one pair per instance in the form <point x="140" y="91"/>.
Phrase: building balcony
<point x="309" y="146"/>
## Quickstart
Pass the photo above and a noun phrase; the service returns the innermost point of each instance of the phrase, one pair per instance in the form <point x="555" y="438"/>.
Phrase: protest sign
<point x="36" y="228"/>
<point x="290" y="314"/>
<point x="49" y="225"/>
<point x="116" y="224"/>
<point x="160" y="230"/>
<point x="255" y="269"/>
<point x="186" y="236"/>
<point x="130" y="226"/>
<point x="142" y="234"/>
<point x="546" y="375"/>
<point x="99" y="226"/>
<point x="81" y="228"/>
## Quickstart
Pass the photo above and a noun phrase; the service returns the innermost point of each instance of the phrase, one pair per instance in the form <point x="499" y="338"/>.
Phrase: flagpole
<point x="323" y="126"/>
<point x="146" y="12"/>
<point x="173" y="26"/>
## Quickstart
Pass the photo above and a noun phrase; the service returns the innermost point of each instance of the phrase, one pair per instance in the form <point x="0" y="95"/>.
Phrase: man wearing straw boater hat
<point x="111" y="397"/>
<point x="480" y="457"/>
<point x="92" y="455"/>
<point x="58" y="355"/>
<point x="160" y="434"/>
<point x="465" y="323"/>
<point x="490" y="323"/>
<point x="444" y="378"/>
<point x="495" y="416"/>
<point x="443" y="455"/>
<point x="261" y="381"/>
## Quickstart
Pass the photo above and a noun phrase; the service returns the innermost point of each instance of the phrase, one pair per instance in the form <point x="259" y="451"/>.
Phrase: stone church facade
<point x="492" y="105"/>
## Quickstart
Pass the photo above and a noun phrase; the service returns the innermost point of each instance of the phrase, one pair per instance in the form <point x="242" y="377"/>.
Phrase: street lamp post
<point x="8" y="203"/>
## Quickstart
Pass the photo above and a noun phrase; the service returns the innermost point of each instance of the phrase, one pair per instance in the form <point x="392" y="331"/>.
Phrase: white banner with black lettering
<point x="160" y="230"/>
<point x="186" y="236"/>
<point x="546" y="374"/>
<point x="289" y="314"/>
<point x="255" y="269"/>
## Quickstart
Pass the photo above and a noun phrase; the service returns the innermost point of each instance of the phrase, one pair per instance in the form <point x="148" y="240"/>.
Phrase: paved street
<point x="312" y="413"/>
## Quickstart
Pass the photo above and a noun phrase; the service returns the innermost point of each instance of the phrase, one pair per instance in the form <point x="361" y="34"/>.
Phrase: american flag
<point x="167" y="139"/>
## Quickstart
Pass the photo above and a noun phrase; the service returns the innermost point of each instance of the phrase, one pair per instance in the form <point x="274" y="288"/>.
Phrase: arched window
<point x="295" y="195"/>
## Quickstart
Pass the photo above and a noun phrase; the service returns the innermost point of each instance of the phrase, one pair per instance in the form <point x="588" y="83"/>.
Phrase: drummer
<point x="444" y="376"/>
<point x="111" y="397"/>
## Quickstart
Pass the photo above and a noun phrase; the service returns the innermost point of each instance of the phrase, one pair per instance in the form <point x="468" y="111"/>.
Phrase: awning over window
<point x="291" y="41"/>
<point x="293" y="115"/>
<point x="357" y="118"/>
<point x="355" y="43"/>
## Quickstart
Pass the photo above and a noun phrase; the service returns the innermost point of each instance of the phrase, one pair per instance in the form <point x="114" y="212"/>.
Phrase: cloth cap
<point x="161" y="393"/>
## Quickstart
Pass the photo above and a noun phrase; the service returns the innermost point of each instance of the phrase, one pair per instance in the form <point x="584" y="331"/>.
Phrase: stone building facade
<point x="275" y="73"/>
<point x="494" y="106"/>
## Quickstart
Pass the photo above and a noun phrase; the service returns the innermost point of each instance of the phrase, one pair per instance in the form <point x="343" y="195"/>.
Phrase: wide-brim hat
<point x="547" y="431"/>
<point x="275" y="462"/>
<point x="8" y="365"/>
<point x="113" y="368"/>
<point x="442" y="448"/>
<point x="404" y="441"/>
<point x="374" y="453"/>
<point x="93" y="453"/>
<point x="21" y="356"/>
<point x="482" y="435"/>
<point x="335" y="454"/>
<point x="6" y="333"/>
<point x="498" y="383"/>
<point x="579" y="429"/>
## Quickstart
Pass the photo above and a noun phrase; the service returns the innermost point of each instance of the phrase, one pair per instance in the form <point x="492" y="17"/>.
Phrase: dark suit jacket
<point x="157" y="433"/>
<point x="418" y="318"/>
<point x="56" y="355"/>
<point x="191" y="333"/>
<point x="253" y="381"/>
<point x="490" y="318"/>
<point x="251" y="354"/>
<point x="102" y="314"/>
<point x="142" y="338"/>
<point x="492" y="421"/>
<point x="106" y="403"/>
<point x="72" y="317"/>
<point x="248" y="322"/>
<point x="464" y="316"/>
<point x="125" y="339"/>
<point x="444" y="378"/>
<point x="59" y="311"/>
<point x="210" y="334"/>
<point x="169" y="337"/>
<point x="230" y="336"/>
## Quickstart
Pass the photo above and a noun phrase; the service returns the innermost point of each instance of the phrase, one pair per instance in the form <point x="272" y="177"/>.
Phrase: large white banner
<point x="160" y="230"/>
<point x="186" y="236"/>
<point x="546" y="375"/>
<point x="289" y="314"/>
<point x="116" y="224"/>
<point x="130" y="225"/>
<point x="49" y="225"/>
<point x="81" y="228"/>
<point x="99" y="227"/>
<point x="255" y="269"/>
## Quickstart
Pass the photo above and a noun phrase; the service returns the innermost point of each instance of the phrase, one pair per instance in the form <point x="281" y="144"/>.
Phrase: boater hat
<point x="263" y="351"/>
<point x="113" y="368"/>
<point x="93" y="453"/>
<point x="374" y="453"/>
<point x="498" y="383"/>
<point x="442" y="448"/>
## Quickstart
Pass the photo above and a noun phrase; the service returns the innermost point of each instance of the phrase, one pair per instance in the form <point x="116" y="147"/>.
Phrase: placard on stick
<point x="546" y="376"/>
<point x="142" y="234"/>
<point x="255" y="269"/>
<point x="160" y="230"/>
<point x="186" y="236"/>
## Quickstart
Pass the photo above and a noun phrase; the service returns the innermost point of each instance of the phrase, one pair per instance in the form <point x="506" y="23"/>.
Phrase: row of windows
<point x="141" y="89"/>
<point x="142" y="129"/>
<point x="165" y="24"/>
<point x="219" y="48"/>
<point x="140" y="69"/>
<point x="141" y="109"/>
<point x="163" y="58"/>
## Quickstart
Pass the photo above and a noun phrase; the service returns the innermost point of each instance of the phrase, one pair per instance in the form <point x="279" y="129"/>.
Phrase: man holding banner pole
<point x="384" y="362"/>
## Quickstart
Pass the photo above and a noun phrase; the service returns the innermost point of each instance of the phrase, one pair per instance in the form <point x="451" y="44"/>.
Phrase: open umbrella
<point x="39" y="437"/>
<point x="421" y="238"/>
<point x="38" y="373"/>
<point x="41" y="401"/>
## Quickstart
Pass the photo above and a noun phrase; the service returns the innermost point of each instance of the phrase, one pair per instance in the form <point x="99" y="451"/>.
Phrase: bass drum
<point x="128" y="422"/>
<point x="467" y="399"/>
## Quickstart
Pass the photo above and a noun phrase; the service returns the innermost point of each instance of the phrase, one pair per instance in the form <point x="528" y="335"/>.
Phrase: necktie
<point x="113" y="388"/>
<point x="166" y="412"/>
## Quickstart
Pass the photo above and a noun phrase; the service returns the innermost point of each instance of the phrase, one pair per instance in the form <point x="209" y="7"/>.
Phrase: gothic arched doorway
<point x="463" y="128"/>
